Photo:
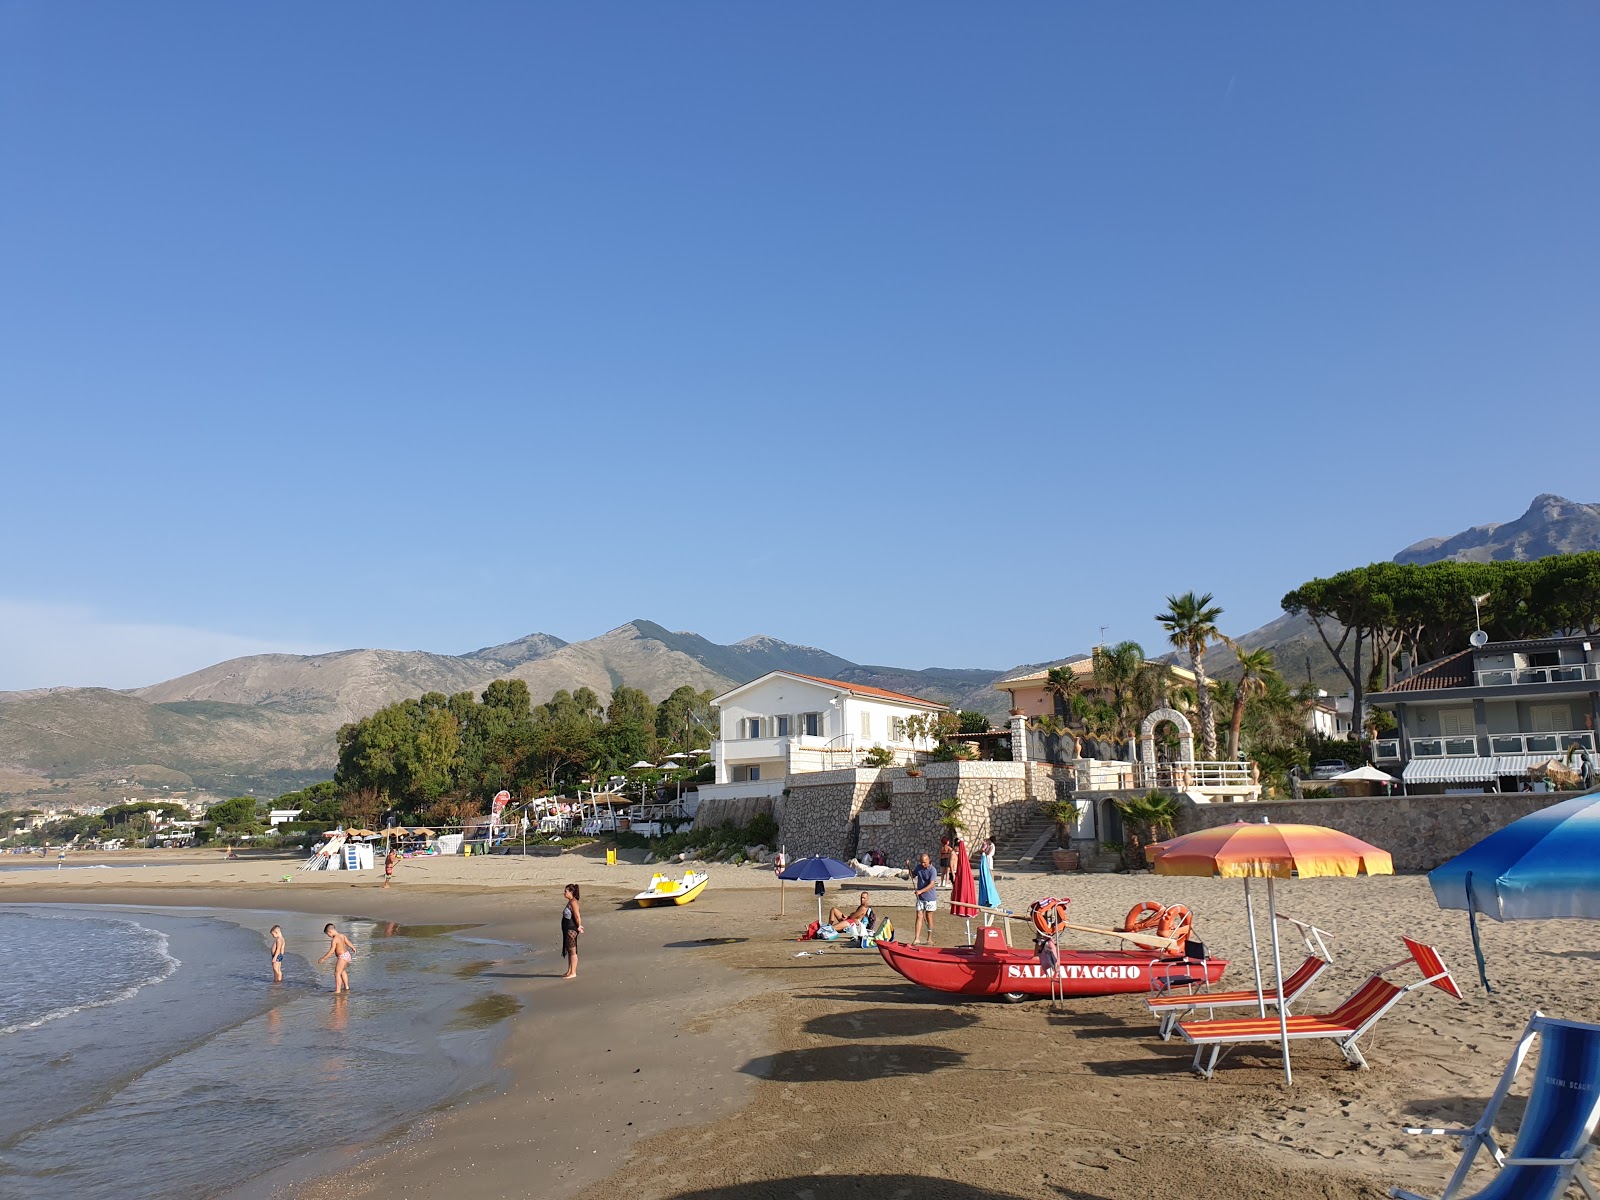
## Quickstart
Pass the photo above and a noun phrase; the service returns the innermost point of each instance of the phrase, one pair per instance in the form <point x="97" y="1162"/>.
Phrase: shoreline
<point x="760" y="1074"/>
<point x="617" y="1036"/>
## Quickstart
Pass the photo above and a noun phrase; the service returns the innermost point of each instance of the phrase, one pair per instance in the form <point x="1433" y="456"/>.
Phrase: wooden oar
<point x="1149" y="941"/>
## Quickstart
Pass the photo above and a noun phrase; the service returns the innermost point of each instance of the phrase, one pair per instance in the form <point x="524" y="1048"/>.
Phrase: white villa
<point x="786" y="723"/>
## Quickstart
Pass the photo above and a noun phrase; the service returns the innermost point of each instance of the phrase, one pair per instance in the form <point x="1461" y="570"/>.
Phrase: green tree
<point x="237" y="815"/>
<point x="684" y="719"/>
<point x="1256" y="668"/>
<point x="1146" y="818"/>
<point x="1191" y="623"/>
<point x="968" y="721"/>
<point x="630" y="732"/>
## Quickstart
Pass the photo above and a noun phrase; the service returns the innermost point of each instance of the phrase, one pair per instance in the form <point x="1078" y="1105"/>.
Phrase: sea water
<point x="148" y="1053"/>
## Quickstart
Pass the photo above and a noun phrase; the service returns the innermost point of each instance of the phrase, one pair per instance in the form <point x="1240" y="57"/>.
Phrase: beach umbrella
<point x="1538" y="867"/>
<point x="963" y="892"/>
<point x="988" y="894"/>
<point x="1255" y="851"/>
<point x="678" y="755"/>
<point x="1366" y="773"/>
<point x="641" y="765"/>
<point x="817" y="869"/>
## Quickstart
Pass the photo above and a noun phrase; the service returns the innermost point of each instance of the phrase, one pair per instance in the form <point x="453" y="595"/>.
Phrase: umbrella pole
<point x="1277" y="970"/>
<point x="780" y="895"/>
<point x="1255" y="951"/>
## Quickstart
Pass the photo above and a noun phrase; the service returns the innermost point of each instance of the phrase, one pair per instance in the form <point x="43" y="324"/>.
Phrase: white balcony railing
<point x="1386" y="750"/>
<point x="1564" y="673"/>
<point x="1197" y="775"/>
<point x="1499" y="743"/>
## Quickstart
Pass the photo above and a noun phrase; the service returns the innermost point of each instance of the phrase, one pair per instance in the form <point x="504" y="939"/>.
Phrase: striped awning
<point x="1451" y="770"/>
<point x="1518" y="764"/>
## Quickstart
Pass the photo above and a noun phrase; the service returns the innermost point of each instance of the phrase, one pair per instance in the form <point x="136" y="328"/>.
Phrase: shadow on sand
<point x="855" y="1024"/>
<point x="852" y="1063"/>
<point x="868" y="1187"/>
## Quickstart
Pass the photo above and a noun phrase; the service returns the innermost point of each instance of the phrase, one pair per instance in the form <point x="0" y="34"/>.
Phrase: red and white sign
<point x="501" y="799"/>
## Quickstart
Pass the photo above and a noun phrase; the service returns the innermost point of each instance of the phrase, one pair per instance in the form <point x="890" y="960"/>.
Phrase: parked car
<point x="1328" y="768"/>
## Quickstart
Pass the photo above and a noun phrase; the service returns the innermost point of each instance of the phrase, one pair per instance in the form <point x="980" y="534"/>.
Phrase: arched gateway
<point x="1147" y="736"/>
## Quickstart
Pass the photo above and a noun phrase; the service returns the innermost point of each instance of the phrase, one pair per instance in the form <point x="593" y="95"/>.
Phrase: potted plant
<point x="1065" y="814"/>
<point x="950" y="822"/>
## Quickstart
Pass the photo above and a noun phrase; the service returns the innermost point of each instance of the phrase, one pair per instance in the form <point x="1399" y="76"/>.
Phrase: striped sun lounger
<point x="1170" y="1009"/>
<point x="1343" y="1026"/>
<point x="1553" y="1145"/>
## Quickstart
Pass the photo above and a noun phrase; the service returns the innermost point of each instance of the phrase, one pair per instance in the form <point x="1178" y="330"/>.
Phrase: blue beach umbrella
<point x="1545" y="865"/>
<point x="988" y="894"/>
<point x="819" y="869"/>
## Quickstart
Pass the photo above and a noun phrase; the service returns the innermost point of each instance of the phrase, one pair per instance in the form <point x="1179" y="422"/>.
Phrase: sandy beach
<point x="697" y="1056"/>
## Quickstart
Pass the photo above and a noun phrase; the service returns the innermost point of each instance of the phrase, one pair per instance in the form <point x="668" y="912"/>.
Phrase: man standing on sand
<point x="925" y="881"/>
<point x="341" y="949"/>
<point x="389" y="861"/>
<point x="277" y="954"/>
<point x="945" y="851"/>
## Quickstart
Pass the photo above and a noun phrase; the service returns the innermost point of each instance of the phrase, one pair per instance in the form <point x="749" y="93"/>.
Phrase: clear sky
<point x="932" y="334"/>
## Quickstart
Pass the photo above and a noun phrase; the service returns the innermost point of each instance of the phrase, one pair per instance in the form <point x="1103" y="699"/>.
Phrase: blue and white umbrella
<point x="821" y="870"/>
<point x="1545" y="865"/>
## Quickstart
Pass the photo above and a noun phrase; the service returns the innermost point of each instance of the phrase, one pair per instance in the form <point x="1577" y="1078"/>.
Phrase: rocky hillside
<point x="1552" y="525"/>
<point x="267" y="721"/>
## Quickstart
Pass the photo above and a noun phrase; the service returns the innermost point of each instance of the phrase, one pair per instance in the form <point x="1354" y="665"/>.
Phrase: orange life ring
<point x="1050" y="918"/>
<point x="1177" y="924"/>
<point x="1144" y="915"/>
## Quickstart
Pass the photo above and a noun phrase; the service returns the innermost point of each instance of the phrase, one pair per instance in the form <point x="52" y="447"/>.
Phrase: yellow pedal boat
<point x="664" y="889"/>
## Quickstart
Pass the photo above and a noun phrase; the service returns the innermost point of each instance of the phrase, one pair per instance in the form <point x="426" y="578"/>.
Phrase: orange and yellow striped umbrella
<point x="1254" y="851"/>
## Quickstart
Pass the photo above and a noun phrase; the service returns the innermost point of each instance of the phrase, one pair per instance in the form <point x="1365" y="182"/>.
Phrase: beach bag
<point x="811" y="932"/>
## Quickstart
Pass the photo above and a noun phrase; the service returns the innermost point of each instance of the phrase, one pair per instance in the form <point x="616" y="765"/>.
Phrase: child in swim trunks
<point x="341" y="949"/>
<point x="277" y="954"/>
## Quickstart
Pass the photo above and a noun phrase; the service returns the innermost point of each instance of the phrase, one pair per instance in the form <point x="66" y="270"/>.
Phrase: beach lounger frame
<point x="1344" y="1026"/>
<point x="1553" y="1147"/>
<point x="1170" y="1009"/>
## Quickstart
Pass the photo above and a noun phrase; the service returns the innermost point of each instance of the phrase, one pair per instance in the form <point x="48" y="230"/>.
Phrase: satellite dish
<point x="1479" y="638"/>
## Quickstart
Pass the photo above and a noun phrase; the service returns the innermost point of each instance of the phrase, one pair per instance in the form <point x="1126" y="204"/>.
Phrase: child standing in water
<point x="571" y="927"/>
<point x="277" y="954"/>
<point x="341" y="949"/>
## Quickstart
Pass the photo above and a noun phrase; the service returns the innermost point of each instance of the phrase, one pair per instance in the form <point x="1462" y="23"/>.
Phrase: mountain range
<point x="266" y="722"/>
<point x="1552" y="525"/>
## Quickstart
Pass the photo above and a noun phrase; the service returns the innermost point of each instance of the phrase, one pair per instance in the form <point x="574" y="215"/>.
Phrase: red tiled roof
<point x="862" y="690"/>
<point x="1454" y="671"/>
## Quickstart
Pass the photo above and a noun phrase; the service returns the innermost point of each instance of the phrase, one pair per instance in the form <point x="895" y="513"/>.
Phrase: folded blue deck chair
<point x="1553" y="1145"/>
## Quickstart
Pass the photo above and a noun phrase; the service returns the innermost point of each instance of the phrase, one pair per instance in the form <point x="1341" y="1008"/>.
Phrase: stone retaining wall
<point x="741" y="810"/>
<point x="843" y="813"/>
<point x="1419" y="831"/>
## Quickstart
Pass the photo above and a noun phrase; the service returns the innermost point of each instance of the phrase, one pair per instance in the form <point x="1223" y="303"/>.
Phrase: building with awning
<point x="1488" y="716"/>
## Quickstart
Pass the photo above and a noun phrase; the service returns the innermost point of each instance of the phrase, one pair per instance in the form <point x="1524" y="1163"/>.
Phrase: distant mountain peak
<point x="1551" y="525"/>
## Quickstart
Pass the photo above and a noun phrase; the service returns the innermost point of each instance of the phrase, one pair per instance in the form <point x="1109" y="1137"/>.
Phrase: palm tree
<point x="1257" y="670"/>
<point x="1191" y="622"/>
<point x="1064" y="685"/>
<point x="1146" y="818"/>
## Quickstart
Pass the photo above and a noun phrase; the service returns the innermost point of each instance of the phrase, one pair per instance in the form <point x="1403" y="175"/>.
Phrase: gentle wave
<point x="169" y="964"/>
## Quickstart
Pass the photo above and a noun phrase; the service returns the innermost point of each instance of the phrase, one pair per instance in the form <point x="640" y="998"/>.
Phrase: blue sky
<point x="931" y="334"/>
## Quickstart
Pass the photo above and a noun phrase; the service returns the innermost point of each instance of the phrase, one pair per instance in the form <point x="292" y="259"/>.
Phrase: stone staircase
<point x="1028" y="849"/>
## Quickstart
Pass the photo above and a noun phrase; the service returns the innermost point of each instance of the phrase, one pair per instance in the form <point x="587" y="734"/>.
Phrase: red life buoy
<point x="1142" y="916"/>
<point x="1049" y="916"/>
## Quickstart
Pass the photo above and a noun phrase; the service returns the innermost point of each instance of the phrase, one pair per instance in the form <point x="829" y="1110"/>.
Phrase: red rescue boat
<point x="992" y="968"/>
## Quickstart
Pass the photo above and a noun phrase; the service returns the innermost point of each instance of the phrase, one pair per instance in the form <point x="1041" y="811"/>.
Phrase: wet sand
<point x="697" y="1057"/>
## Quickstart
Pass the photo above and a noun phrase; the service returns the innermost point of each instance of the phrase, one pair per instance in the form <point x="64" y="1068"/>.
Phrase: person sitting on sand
<point x="861" y="916"/>
<point x="341" y="949"/>
<point x="277" y="953"/>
